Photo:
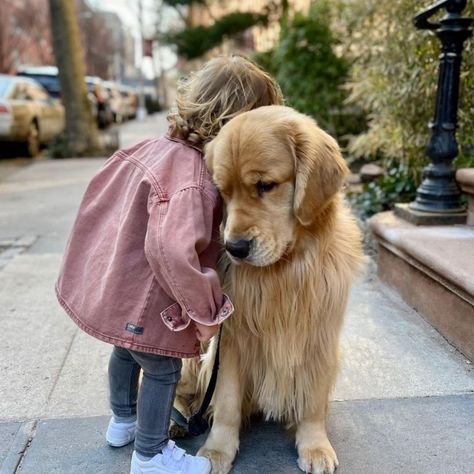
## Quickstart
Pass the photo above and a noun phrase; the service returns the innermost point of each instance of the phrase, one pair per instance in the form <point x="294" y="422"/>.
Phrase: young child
<point x="139" y="268"/>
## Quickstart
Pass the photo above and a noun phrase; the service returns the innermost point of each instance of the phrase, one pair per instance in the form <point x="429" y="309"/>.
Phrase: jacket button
<point x="225" y="311"/>
<point x="169" y="318"/>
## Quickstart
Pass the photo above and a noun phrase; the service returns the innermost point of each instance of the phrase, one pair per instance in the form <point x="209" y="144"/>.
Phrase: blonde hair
<point x="223" y="88"/>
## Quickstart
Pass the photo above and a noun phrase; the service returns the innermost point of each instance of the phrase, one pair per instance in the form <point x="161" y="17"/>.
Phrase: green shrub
<point x="397" y="185"/>
<point x="193" y="42"/>
<point x="310" y="73"/>
<point x="394" y="77"/>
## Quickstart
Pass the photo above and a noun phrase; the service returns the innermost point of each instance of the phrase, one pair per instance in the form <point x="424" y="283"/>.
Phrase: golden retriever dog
<point x="294" y="249"/>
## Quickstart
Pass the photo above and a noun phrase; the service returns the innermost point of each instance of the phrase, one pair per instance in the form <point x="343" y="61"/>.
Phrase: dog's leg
<point x="223" y="441"/>
<point x="315" y="453"/>
<point x="187" y="395"/>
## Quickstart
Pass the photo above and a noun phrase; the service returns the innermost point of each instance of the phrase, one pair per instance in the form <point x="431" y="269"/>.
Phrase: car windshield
<point x="4" y="85"/>
<point x="50" y="83"/>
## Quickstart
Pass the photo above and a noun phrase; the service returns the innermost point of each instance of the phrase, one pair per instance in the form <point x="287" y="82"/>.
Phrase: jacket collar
<point x="184" y="142"/>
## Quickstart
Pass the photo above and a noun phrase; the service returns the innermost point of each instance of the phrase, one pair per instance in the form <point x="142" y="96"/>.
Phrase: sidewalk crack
<point x="23" y="452"/>
<point x="63" y="363"/>
<point x="13" y="247"/>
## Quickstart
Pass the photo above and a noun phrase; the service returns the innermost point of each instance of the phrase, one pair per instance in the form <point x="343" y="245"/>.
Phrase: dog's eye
<point x="264" y="187"/>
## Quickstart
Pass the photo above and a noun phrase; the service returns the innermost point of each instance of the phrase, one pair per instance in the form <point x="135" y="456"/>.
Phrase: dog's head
<point x="276" y="171"/>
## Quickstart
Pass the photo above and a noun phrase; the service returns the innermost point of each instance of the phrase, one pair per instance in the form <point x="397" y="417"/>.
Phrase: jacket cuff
<point x="226" y="310"/>
<point x="177" y="319"/>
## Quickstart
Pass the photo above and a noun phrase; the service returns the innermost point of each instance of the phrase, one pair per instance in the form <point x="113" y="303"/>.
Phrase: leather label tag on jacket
<point x="135" y="329"/>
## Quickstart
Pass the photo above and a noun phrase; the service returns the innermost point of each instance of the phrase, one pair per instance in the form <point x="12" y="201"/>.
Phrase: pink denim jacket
<point x="140" y="263"/>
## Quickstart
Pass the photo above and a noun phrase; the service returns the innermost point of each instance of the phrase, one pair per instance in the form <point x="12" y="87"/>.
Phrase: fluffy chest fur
<point x="286" y="327"/>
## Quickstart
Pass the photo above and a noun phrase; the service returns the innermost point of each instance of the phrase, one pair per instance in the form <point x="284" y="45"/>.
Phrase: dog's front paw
<point x="177" y="431"/>
<point x="318" y="460"/>
<point x="221" y="462"/>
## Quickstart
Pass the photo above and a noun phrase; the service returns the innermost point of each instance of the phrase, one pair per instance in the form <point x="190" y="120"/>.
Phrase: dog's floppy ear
<point x="319" y="168"/>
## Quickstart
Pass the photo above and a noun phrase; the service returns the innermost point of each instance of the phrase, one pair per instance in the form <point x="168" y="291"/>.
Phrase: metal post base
<point x="429" y="218"/>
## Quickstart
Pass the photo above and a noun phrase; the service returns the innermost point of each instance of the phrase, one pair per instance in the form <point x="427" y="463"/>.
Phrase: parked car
<point x="27" y="113"/>
<point x="131" y="101"/>
<point x="105" y="115"/>
<point x="48" y="77"/>
<point x="117" y="101"/>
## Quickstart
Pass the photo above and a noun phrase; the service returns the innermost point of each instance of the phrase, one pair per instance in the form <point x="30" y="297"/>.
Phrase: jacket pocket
<point x="175" y="318"/>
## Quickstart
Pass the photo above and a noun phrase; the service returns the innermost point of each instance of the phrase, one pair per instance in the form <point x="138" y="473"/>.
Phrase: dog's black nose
<point x="239" y="249"/>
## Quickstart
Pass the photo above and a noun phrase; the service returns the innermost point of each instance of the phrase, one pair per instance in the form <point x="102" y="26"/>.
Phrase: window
<point x="20" y="92"/>
<point x="36" y="92"/>
<point x="5" y="84"/>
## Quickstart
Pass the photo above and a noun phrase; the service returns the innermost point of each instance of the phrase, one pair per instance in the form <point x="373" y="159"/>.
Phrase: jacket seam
<point x="147" y="301"/>
<point x="114" y="340"/>
<point x="201" y="189"/>
<point x="202" y="182"/>
<point x="201" y="174"/>
<point x="156" y="185"/>
<point x="162" y="195"/>
<point x="166" y="263"/>
<point x="167" y="267"/>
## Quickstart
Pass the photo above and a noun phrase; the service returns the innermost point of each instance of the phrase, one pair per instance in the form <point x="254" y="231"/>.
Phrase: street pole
<point x="438" y="197"/>
<point x="141" y="112"/>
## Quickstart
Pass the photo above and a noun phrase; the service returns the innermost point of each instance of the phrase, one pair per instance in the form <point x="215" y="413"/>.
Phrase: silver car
<point x="27" y="113"/>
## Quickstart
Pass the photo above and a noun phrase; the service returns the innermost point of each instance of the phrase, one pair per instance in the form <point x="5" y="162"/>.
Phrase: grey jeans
<point x="152" y="403"/>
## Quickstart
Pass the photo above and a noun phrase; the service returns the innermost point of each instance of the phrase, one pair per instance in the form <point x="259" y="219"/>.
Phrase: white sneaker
<point x="120" y="434"/>
<point x="172" y="460"/>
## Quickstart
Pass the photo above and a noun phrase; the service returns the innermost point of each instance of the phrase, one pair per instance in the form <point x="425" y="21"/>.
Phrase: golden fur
<point x="279" y="350"/>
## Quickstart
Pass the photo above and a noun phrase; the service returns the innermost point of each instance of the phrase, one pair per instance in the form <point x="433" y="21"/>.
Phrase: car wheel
<point x="33" y="140"/>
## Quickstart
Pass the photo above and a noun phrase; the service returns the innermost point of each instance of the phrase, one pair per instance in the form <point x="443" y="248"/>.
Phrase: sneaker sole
<point x="118" y="444"/>
<point x="140" y="470"/>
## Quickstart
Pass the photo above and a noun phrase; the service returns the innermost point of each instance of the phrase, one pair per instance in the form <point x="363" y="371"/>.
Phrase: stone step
<point x="465" y="178"/>
<point x="432" y="267"/>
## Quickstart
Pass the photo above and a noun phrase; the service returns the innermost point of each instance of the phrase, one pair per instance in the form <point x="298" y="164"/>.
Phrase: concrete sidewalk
<point x="404" y="402"/>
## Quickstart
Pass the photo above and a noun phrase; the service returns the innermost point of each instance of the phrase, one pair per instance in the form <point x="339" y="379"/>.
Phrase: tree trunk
<point x="285" y="8"/>
<point x="82" y="136"/>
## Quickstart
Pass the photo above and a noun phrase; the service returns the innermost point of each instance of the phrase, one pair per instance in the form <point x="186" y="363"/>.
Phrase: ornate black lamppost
<point x="438" y="197"/>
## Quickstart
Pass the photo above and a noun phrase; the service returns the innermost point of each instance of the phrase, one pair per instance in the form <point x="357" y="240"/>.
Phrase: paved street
<point x="404" y="402"/>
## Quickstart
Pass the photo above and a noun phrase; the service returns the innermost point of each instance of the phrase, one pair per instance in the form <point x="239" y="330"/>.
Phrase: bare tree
<point x="33" y="24"/>
<point x="160" y="27"/>
<point x="7" y="39"/>
<point x="100" y="39"/>
<point x="82" y="137"/>
<point x="24" y="35"/>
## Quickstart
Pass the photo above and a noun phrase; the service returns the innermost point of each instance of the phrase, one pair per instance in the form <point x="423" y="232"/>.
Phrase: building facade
<point x="255" y="39"/>
<point x="25" y="39"/>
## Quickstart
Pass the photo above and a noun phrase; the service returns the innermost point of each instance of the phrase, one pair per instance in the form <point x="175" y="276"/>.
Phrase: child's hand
<point x="204" y="333"/>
